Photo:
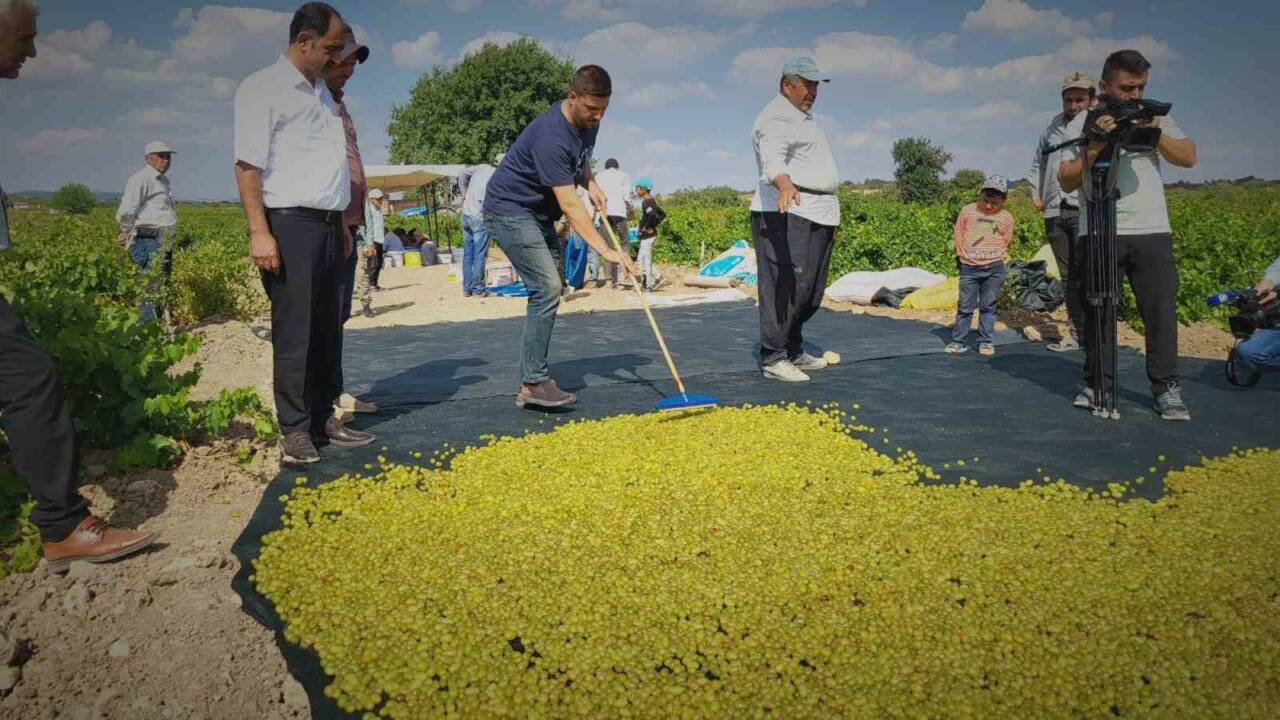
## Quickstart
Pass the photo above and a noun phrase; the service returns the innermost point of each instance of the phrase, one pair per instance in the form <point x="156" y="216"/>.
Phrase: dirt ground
<point x="162" y="635"/>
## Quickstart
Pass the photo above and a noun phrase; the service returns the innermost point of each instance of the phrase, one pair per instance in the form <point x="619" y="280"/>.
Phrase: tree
<point x="967" y="181"/>
<point x="919" y="169"/>
<point x="74" y="198"/>
<point x="469" y="113"/>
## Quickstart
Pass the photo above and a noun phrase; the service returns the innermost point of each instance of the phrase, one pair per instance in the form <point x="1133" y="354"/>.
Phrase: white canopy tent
<point x="398" y="178"/>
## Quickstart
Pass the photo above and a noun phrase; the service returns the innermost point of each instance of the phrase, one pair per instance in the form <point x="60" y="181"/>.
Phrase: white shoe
<point x="785" y="371"/>
<point x="807" y="362"/>
<point x="351" y="403"/>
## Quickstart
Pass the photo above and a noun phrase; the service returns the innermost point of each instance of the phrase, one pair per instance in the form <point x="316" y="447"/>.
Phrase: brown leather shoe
<point x="340" y="435"/>
<point x="544" y="394"/>
<point x="96" y="542"/>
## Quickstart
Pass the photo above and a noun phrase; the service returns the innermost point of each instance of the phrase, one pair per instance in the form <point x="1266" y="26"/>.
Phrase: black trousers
<point x="42" y="438"/>
<point x="1147" y="260"/>
<point x="377" y="268"/>
<point x="1063" y="233"/>
<point x="793" y="255"/>
<point x="349" y="269"/>
<point x="305" y="305"/>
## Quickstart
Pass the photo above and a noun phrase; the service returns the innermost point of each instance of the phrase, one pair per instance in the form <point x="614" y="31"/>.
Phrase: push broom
<point x="683" y="401"/>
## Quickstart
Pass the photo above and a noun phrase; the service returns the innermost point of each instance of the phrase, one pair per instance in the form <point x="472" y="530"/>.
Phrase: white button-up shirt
<point x="292" y="131"/>
<point x="616" y="186"/>
<point x="473" y="201"/>
<point x="1044" y="169"/>
<point x="789" y="142"/>
<point x="147" y="202"/>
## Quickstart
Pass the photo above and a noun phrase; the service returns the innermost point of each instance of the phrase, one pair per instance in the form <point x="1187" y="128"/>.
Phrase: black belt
<point x="324" y="216"/>
<point x="1064" y="205"/>
<point x="810" y="191"/>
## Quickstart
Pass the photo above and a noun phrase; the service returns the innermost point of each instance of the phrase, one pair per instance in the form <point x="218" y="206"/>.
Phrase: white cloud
<point x="759" y="66"/>
<point x="1018" y="19"/>
<point x="616" y="10"/>
<point x="660" y="93"/>
<point x="943" y="42"/>
<point x="419" y="54"/>
<point x="501" y="38"/>
<point x="50" y="138"/>
<point x="628" y="43"/>
<point x="215" y="32"/>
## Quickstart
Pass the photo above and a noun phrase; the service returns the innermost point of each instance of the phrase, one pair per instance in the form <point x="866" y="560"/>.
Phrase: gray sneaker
<point x="1169" y="404"/>
<point x="785" y="371"/>
<point x="808" y="363"/>
<point x="1066" y="344"/>
<point x="1084" y="398"/>
<point x="297" y="449"/>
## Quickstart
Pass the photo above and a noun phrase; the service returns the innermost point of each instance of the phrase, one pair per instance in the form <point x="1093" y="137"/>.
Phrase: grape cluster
<point x="760" y="561"/>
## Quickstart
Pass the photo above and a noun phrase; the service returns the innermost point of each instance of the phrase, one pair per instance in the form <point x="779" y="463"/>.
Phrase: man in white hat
<point x="794" y="215"/>
<point x="147" y="215"/>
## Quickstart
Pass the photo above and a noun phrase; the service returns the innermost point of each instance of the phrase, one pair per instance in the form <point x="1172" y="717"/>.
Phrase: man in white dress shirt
<point x="616" y="186"/>
<point x="147" y="215"/>
<point x="794" y="215"/>
<point x="292" y="171"/>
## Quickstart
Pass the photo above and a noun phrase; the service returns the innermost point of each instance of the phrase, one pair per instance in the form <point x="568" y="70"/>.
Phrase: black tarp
<point x="451" y="383"/>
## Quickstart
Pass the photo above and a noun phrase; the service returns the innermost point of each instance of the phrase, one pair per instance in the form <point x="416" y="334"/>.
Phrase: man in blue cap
<point x="794" y="215"/>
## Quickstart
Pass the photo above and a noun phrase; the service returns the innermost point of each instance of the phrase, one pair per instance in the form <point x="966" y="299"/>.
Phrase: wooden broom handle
<point x="617" y="245"/>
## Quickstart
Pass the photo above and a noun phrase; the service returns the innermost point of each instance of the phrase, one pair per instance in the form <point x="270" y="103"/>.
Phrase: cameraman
<point x="1261" y="352"/>
<point x="1144" y="245"/>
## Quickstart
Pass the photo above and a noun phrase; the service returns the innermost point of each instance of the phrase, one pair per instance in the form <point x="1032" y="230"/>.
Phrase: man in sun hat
<point x="794" y="215"/>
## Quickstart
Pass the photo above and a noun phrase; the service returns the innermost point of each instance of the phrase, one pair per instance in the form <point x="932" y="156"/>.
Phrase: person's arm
<point x="1036" y="176"/>
<point x="580" y="221"/>
<point x="262" y="244"/>
<point x="961" y="231"/>
<point x="130" y="205"/>
<point x="772" y="141"/>
<point x="1175" y="146"/>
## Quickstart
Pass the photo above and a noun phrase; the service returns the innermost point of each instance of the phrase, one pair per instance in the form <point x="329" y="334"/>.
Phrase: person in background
<point x="1261" y="351"/>
<point x="148" y="216"/>
<point x="1061" y="210"/>
<point x="533" y="187"/>
<point x="982" y="234"/>
<point x="375" y="219"/>
<point x="475" y="237"/>
<point x="33" y="406"/>
<point x="651" y="216"/>
<point x="393" y="246"/>
<point x="337" y="75"/>
<point x="295" y="184"/>
<point x="794" y="215"/>
<point x="616" y="186"/>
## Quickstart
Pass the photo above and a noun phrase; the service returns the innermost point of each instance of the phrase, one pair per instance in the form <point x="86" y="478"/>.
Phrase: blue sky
<point x="979" y="76"/>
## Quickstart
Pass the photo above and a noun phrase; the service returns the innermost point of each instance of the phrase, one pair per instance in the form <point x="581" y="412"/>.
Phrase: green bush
<point x="719" y="196"/>
<point x="74" y="198"/>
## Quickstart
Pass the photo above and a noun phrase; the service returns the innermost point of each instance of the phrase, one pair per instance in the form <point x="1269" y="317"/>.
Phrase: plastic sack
<point x="862" y="287"/>
<point x="1032" y="288"/>
<point x="940" y="296"/>
<point x="575" y="262"/>
<point x="736" y="263"/>
<point x="1045" y="255"/>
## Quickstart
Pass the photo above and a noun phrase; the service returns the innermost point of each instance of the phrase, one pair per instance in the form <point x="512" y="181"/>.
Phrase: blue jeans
<point x="534" y="250"/>
<point x="475" y="250"/>
<point x="1261" y="352"/>
<point x="144" y="251"/>
<point x="979" y="289"/>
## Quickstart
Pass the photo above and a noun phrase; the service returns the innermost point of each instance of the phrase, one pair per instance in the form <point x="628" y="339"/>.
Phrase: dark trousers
<point x="344" y="314"/>
<point x="792" y="255"/>
<point x="305" y="306"/>
<point x="619" y="225"/>
<point x="980" y="287"/>
<point x="1063" y="233"/>
<point x="42" y="438"/>
<point x="1147" y="260"/>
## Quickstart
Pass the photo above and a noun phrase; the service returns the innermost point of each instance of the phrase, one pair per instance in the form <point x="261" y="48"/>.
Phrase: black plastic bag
<point x="1032" y="289"/>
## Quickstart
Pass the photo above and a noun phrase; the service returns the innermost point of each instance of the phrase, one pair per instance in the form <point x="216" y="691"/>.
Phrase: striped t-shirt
<point x="982" y="239"/>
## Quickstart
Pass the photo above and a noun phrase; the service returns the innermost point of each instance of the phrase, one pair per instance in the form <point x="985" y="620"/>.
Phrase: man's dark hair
<point x="610" y="163"/>
<point x="313" y="16"/>
<point x="1130" y="61"/>
<point x="592" y="80"/>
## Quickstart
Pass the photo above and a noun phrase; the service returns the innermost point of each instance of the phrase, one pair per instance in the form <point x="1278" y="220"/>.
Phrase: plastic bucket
<point x="412" y="258"/>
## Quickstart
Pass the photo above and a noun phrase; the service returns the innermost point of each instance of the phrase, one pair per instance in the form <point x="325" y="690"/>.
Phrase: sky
<point x="980" y="77"/>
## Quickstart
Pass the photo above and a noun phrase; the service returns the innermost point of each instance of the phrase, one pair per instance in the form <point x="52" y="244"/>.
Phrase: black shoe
<point x="343" y="436"/>
<point x="297" y="449"/>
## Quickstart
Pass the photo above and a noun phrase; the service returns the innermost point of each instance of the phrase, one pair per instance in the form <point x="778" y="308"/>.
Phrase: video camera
<point x="1251" y="316"/>
<point x="1129" y="115"/>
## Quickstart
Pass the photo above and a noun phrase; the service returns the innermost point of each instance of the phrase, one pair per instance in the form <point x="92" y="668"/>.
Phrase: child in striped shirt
<point x="982" y="235"/>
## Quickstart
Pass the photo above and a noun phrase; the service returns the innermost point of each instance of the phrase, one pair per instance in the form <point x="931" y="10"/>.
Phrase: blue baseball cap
<point x="645" y="183"/>
<point x="807" y="68"/>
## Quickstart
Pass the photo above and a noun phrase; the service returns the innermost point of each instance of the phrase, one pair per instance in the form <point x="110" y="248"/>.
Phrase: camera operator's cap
<point x="376" y="194"/>
<point x="1078" y="79"/>
<point x="352" y="47"/>
<point x="645" y="183"/>
<point x="158" y="147"/>
<point x="997" y="183"/>
<point x="807" y="68"/>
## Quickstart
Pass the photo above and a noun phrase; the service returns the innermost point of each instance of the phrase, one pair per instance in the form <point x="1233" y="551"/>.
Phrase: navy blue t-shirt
<point x="549" y="153"/>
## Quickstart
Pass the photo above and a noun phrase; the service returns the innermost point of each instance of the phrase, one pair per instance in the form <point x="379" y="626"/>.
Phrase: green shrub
<point x="74" y="198"/>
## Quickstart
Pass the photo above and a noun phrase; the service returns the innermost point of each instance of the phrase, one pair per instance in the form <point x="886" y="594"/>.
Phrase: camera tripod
<point x="1103" y="293"/>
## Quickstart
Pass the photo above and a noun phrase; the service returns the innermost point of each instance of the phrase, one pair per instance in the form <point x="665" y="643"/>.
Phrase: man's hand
<point x="787" y="193"/>
<point x="621" y="257"/>
<point x="1106" y="124"/>
<point x="264" y="251"/>
<point x="348" y="246"/>
<point x="598" y="198"/>
<point x="1037" y="203"/>
<point x="370" y="251"/>
<point x="1266" y="292"/>
<point x="123" y="239"/>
